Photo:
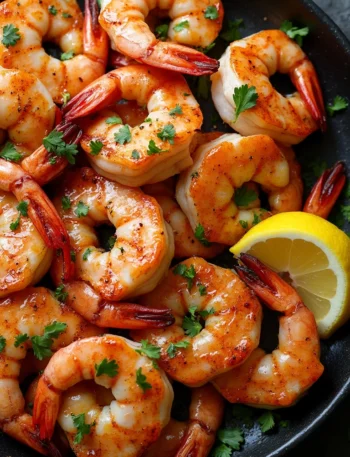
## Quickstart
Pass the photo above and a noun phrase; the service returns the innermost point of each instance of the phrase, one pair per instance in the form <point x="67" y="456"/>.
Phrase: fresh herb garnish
<point x="173" y="347"/>
<point x="10" y="35"/>
<point x="141" y="380"/>
<point x="188" y="273"/>
<point x="10" y="153"/>
<point x="245" y="98"/>
<point x="199" y="233"/>
<point x="109" y="368"/>
<point x="295" y="33"/>
<point x="124" y="135"/>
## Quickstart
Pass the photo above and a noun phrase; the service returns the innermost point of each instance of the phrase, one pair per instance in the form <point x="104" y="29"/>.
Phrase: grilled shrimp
<point x="196" y="436"/>
<point x="124" y="21"/>
<point x="27" y="111"/>
<point x="34" y="203"/>
<point x="187" y="244"/>
<point x="217" y="321"/>
<point x="26" y="314"/>
<point x="84" y="43"/>
<point x="278" y="379"/>
<point x="252" y="61"/>
<point x="140" y="255"/>
<point x="152" y="151"/>
<point x="140" y="407"/>
<point x="206" y="191"/>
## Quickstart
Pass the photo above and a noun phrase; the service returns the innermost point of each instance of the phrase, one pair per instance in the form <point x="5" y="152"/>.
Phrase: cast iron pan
<point x="330" y="52"/>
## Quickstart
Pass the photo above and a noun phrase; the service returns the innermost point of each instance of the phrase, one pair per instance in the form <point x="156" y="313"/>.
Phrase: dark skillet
<point x="330" y="52"/>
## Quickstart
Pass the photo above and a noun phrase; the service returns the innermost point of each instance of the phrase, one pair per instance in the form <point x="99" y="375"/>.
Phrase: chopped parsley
<point x="86" y="254"/>
<point x="162" y="31"/>
<point x="95" y="147"/>
<point x="10" y="153"/>
<point x="202" y="289"/>
<point x="113" y="120"/>
<point x="20" y="339"/>
<point x="188" y="273"/>
<point x="22" y="208"/>
<point x="211" y="12"/>
<point x="141" y="380"/>
<point x="244" y="196"/>
<point x="181" y="26"/>
<point x="81" y="426"/>
<point x="42" y="344"/>
<point x="199" y="233"/>
<point x="2" y="343"/>
<point x="60" y="293"/>
<point x="266" y="421"/>
<point x="66" y="203"/>
<point x="167" y="133"/>
<point x="10" y="35"/>
<point x="67" y="55"/>
<point x="149" y="350"/>
<point x="135" y="154"/>
<point x="153" y="148"/>
<point x="109" y="368"/>
<point x="111" y="242"/>
<point x="66" y="15"/>
<point x="55" y="144"/>
<point x="295" y="33"/>
<point x="173" y="347"/>
<point x="339" y="104"/>
<point x="244" y="224"/>
<point x="124" y="135"/>
<point x="52" y="10"/>
<point x="66" y="97"/>
<point x="245" y="98"/>
<point x="176" y="110"/>
<point x="81" y="209"/>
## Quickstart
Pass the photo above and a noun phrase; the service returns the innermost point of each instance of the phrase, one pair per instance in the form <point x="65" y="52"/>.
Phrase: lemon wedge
<point x="313" y="255"/>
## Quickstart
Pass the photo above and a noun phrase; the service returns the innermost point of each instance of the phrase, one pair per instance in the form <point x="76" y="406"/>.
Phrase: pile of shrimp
<point x="137" y="200"/>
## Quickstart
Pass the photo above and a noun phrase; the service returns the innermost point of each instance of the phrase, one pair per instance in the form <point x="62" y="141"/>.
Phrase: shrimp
<point x="24" y="256"/>
<point x="124" y="21"/>
<point x="140" y="255"/>
<point x="205" y="191"/>
<point x="27" y="111"/>
<point x="34" y="203"/>
<point x="227" y="334"/>
<point x="133" y="419"/>
<point x="27" y="313"/>
<point x="152" y="151"/>
<point x="196" y="436"/>
<point x="60" y="22"/>
<point x="278" y="379"/>
<point x="186" y="242"/>
<point x="252" y="61"/>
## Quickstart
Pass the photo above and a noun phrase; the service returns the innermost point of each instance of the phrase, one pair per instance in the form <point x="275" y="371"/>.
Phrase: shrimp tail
<point x="95" y="38"/>
<point x="266" y="284"/>
<point x="98" y="95"/>
<point x="45" y="410"/>
<point x="326" y="191"/>
<point x="38" y="165"/>
<point x="304" y="78"/>
<point x="175" y="57"/>
<point x="196" y="442"/>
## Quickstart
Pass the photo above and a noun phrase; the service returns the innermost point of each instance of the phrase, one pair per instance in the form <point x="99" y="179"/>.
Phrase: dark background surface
<point x="332" y="439"/>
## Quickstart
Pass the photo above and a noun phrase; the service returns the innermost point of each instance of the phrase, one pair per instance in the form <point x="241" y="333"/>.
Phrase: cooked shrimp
<point x="134" y="418"/>
<point x="140" y="254"/>
<point x="83" y="42"/>
<point x="226" y="336"/>
<point x="196" y="436"/>
<point x="252" y="61"/>
<point x="186" y="243"/>
<point x="278" y="379"/>
<point x="27" y="313"/>
<point x="326" y="191"/>
<point x="27" y="111"/>
<point x="205" y="191"/>
<point x="24" y="256"/>
<point x="124" y="21"/>
<point x="38" y="207"/>
<point x="152" y="151"/>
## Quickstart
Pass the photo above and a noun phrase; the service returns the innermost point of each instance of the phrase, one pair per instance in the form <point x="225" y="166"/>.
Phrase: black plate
<point x="330" y="52"/>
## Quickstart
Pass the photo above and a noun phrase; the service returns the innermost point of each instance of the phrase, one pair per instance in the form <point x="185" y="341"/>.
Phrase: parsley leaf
<point x="66" y="15"/>
<point x="52" y="10"/>
<point x="149" y="350"/>
<point x="2" y="343"/>
<point x="204" y="313"/>
<point x="81" y="426"/>
<point x="221" y="451"/>
<point x="244" y="224"/>
<point x="153" y="148"/>
<point x="95" y="147"/>
<point x="176" y="110"/>
<point x="66" y="203"/>
<point x="232" y="437"/>
<point x="181" y="26"/>
<point x="10" y="153"/>
<point x="113" y="120"/>
<point x="86" y="254"/>
<point x="188" y="273"/>
<point x="124" y="135"/>
<point x="339" y="104"/>
<point x="10" y="35"/>
<point x="42" y="344"/>
<point x="141" y="380"/>
<point x="109" y="368"/>
<point x="55" y="144"/>
<point x="244" y="196"/>
<point x="202" y="289"/>
<point x="200" y="235"/>
<point x="173" y="347"/>
<point x="162" y="31"/>
<point x="111" y="242"/>
<point x="266" y="421"/>
<point x="14" y="225"/>
<point x="60" y="293"/>
<point x="293" y="32"/>
<point x="135" y="154"/>
<point x="256" y="219"/>
<point x="167" y="133"/>
<point x="20" y="339"/>
<point x="191" y="326"/>
<point x="81" y="209"/>
<point x="211" y="12"/>
<point x="232" y="32"/>
<point x="66" y="97"/>
<point x="244" y="98"/>
<point x="67" y="55"/>
<point x="23" y="208"/>
<point x="345" y="211"/>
